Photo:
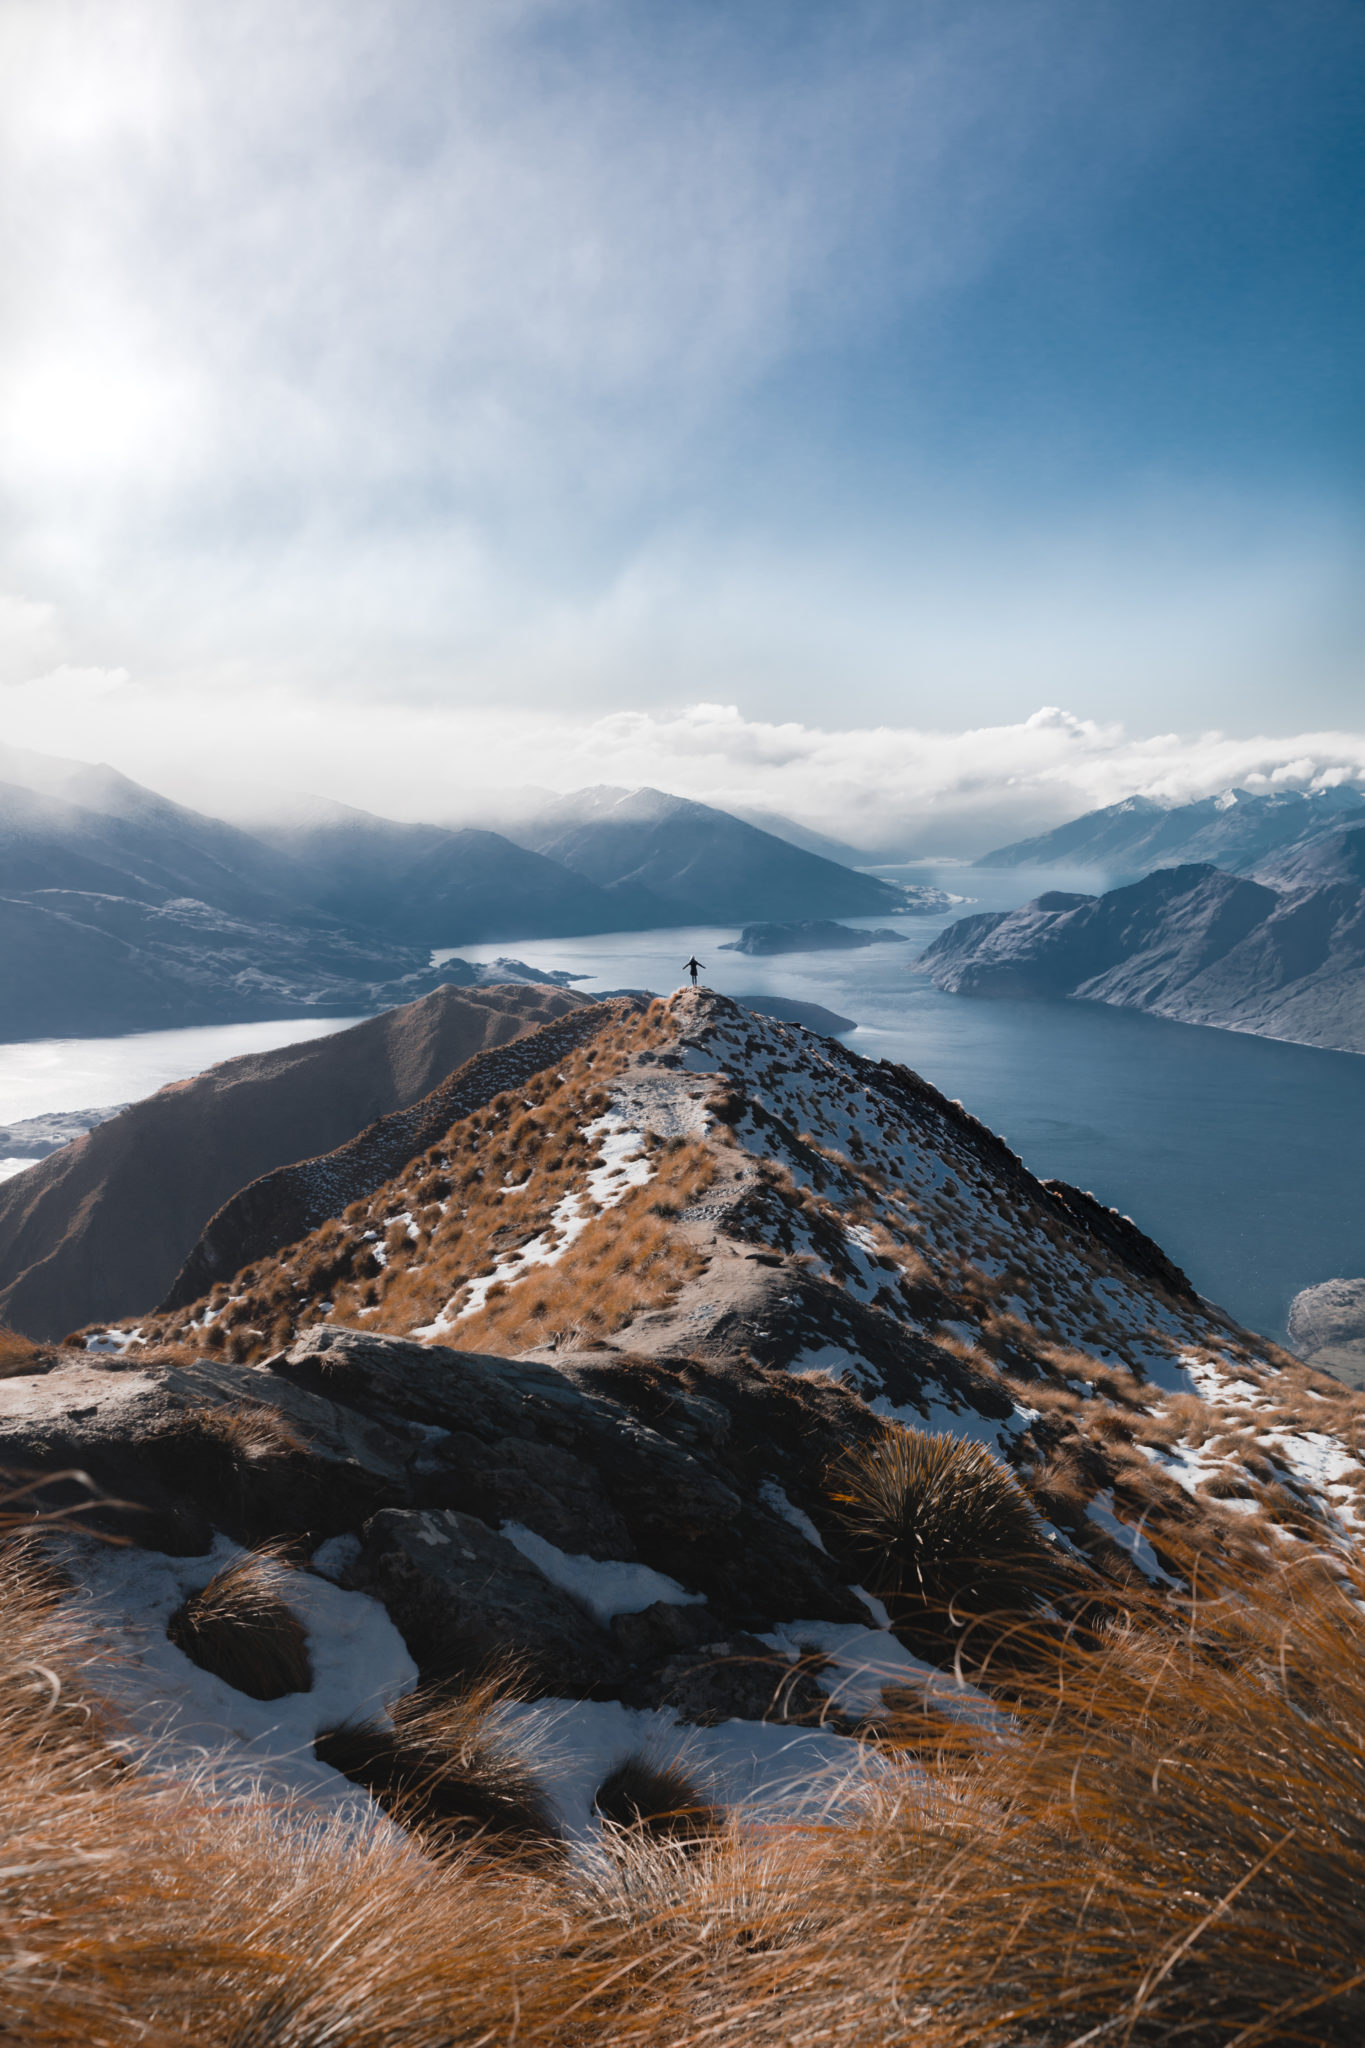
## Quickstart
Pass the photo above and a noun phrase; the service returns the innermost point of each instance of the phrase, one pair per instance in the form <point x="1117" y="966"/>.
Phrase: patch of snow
<point x="186" y="1718"/>
<point x="605" y="1586"/>
<point x="936" y="1416"/>
<point x="830" y="1358"/>
<point x="1315" y="1459"/>
<point x="117" y="1341"/>
<point x="864" y="1661"/>
<point x="335" y="1557"/>
<point x="873" y="1606"/>
<point x="1182" y="1462"/>
<point x="776" y="1499"/>
<point x="1129" y="1537"/>
<point x="768" y="1770"/>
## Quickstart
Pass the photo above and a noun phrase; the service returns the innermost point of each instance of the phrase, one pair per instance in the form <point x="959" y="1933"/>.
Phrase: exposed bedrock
<point x="1327" y="1327"/>
<point x="428" y="1456"/>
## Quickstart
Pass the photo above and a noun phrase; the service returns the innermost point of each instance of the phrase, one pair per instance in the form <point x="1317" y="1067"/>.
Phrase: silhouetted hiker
<point x="693" y="966"/>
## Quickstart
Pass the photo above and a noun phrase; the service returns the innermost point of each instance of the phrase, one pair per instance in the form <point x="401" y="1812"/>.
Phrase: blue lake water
<point x="1244" y="1158"/>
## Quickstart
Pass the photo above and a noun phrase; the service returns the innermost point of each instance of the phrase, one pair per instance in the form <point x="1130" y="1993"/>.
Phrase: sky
<point x="928" y="420"/>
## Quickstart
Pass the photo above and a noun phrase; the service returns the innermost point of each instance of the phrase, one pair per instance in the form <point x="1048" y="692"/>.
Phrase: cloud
<point x="887" y="790"/>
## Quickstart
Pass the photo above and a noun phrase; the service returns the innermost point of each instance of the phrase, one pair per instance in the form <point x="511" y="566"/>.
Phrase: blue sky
<point x="858" y="367"/>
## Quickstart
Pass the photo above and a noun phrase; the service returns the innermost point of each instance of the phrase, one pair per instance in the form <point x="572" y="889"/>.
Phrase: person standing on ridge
<point x="694" y="966"/>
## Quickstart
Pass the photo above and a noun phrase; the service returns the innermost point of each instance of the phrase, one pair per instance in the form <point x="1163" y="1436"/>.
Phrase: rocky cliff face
<point x="572" y="1387"/>
<point x="1282" y="956"/>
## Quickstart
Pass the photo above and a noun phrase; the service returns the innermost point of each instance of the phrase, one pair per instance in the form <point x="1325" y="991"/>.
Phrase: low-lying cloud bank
<point x="889" y="791"/>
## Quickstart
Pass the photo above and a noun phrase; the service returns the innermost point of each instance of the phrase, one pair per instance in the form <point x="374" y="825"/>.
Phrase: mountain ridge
<point x="1282" y="957"/>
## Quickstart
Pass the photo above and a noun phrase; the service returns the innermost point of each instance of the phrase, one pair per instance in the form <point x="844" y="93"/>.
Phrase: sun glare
<point x="85" y="415"/>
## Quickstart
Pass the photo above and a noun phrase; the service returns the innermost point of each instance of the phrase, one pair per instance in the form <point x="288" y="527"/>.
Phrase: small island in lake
<point x="814" y="935"/>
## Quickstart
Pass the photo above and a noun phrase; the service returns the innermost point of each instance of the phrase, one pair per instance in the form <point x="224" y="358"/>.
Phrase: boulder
<point x="1327" y="1327"/>
<point x="467" y="1601"/>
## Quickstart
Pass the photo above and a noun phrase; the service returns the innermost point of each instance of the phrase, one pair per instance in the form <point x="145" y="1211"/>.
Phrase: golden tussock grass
<point x="20" y="1354"/>
<point x="628" y="1260"/>
<point x="444" y="1768"/>
<point x="241" y="1627"/>
<point x="936" y="1521"/>
<point x="1161" y="1842"/>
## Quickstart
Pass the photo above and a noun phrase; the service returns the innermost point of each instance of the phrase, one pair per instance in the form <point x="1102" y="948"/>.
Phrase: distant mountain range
<point x="1236" y="831"/>
<point x="122" y="911"/>
<point x="1281" y="955"/>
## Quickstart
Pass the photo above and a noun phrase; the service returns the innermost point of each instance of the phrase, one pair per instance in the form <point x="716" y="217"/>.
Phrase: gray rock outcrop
<point x="1327" y="1327"/>
<point x="423" y="1456"/>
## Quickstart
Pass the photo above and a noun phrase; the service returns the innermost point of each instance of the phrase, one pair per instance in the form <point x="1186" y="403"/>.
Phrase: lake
<point x="1241" y="1156"/>
<point x="40" y="1076"/>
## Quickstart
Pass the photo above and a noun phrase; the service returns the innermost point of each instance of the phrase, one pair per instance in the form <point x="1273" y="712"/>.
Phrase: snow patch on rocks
<point x="605" y="1586"/>
<point x="185" y="1719"/>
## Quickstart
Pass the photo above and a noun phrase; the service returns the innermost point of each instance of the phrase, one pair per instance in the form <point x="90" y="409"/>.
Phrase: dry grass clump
<point x="445" y="1771"/>
<point x="247" y="1434"/>
<point x="20" y="1354"/>
<point x="937" y="1522"/>
<point x="1163" y="1843"/>
<point x="656" y="1800"/>
<point x="241" y="1628"/>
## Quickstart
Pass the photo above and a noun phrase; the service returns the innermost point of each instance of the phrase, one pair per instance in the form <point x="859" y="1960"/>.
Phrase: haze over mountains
<point x="121" y="911"/>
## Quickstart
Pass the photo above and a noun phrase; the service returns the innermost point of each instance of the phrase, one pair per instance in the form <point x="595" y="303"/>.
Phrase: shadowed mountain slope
<point x="101" y="1227"/>
<point x="121" y="911"/>
<point x="437" y="886"/>
<point x="109" y="836"/>
<point x="1190" y="943"/>
<point x="284" y="1205"/>
<point x="95" y="965"/>
<point x="703" y="865"/>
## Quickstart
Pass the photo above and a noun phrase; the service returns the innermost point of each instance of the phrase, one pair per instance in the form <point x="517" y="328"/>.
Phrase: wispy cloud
<point x="888" y="790"/>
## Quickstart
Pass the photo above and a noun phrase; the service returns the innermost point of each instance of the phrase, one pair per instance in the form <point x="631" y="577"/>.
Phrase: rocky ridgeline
<point x="573" y="1385"/>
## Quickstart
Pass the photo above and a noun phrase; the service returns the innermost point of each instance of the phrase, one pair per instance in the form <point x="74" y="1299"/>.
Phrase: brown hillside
<point x="100" y="1228"/>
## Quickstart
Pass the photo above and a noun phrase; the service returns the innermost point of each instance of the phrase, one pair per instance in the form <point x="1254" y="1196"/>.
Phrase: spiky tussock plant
<point x="655" y="1799"/>
<point x="1162" y="1843"/>
<point x="444" y="1771"/>
<point x="938" y="1523"/>
<point x="241" y="1628"/>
